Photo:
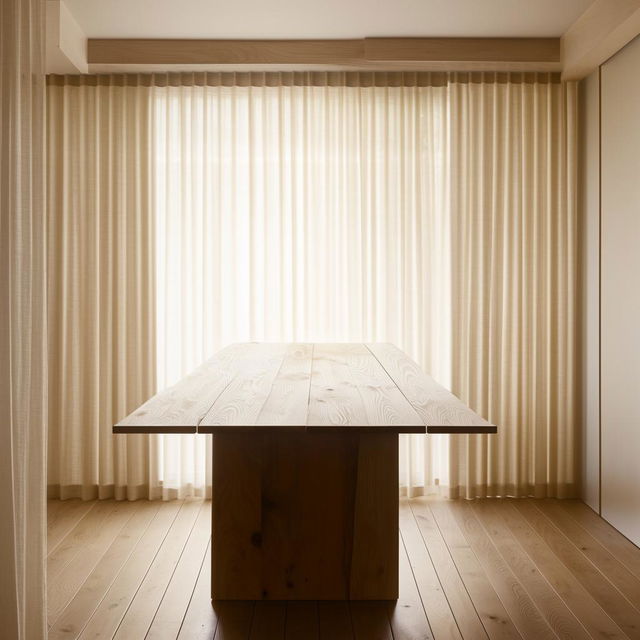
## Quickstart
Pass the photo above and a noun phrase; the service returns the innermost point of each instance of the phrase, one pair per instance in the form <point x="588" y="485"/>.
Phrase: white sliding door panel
<point x="620" y="291"/>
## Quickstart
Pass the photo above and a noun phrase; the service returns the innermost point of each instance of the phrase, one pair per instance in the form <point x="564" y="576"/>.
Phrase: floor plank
<point x="85" y="560"/>
<point x="370" y="620"/>
<point x="559" y="617"/>
<point x="495" y="619"/>
<point x="107" y="617"/>
<point x="619" y="608"/>
<point x="466" y="616"/>
<point x="302" y="621"/>
<point x="334" y="621"/>
<point x="80" y="609"/>
<point x="268" y="621"/>
<point x="604" y="560"/>
<point x="200" y="621"/>
<point x="621" y="547"/>
<point x="234" y="619"/>
<point x="442" y="622"/>
<point x="406" y="615"/>
<point x="594" y="618"/>
<point x="63" y="518"/>
<point x="79" y="537"/>
<point x="173" y="607"/>
<point x="521" y="609"/>
<point x="139" y="616"/>
<point x="468" y="570"/>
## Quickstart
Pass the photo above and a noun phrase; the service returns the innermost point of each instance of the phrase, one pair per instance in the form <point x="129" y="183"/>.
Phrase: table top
<point x="309" y="387"/>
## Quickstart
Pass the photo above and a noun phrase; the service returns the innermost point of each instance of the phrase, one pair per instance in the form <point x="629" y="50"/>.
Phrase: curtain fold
<point x="102" y="289"/>
<point x="299" y="213"/>
<point x="513" y="216"/>
<point x="23" y="321"/>
<point x="434" y="211"/>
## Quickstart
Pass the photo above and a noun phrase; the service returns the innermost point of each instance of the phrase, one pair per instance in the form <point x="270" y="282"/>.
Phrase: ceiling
<point x="255" y="19"/>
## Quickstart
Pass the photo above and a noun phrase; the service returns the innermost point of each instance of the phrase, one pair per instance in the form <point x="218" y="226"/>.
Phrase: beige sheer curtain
<point x="311" y="207"/>
<point x="277" y="206"/>
<point x="101" y="286"/>
<point x="300" y="207"/>
<point x="23" y="362"/>
<point x="513" y="218"/>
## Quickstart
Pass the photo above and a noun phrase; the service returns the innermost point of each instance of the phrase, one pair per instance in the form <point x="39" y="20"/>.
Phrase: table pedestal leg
<point x="305" y="516"/>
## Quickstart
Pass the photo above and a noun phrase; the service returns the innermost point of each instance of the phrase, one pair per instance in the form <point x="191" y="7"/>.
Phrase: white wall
<point x="66" y="43"/>
<point x="620" y="290"/>
<point x="589" y="228"/>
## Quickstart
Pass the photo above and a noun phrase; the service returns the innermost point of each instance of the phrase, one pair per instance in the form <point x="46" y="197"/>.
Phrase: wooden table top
<point x="300" y="386"/>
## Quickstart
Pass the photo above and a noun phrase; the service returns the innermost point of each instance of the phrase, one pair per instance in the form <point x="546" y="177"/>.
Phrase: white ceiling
<point x="324" y="18"/>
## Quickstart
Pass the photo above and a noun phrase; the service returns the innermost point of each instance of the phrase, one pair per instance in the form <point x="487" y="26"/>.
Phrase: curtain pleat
<point x="102" y="284"/>
<point x="23" y="321"/>
<point x="434" y="211"/>
<point x="297" y="213"/>
<point x="513" y="217"/>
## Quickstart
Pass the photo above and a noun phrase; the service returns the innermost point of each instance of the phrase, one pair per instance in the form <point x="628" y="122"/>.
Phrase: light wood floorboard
<point x="468" y="570"/>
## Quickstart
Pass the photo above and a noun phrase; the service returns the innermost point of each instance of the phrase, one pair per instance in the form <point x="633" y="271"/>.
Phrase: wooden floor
<point x="488" y="569"/>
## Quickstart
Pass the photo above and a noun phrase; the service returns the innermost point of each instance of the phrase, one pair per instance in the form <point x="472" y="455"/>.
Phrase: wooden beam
<point x="604" y="28"/>
<point x="370" y="53"/>
<point x="463" y="49"/>
<point x="117" y="51"/>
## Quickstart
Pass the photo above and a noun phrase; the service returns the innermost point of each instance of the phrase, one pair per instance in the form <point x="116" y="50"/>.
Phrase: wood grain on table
<point x="334" y="387"/>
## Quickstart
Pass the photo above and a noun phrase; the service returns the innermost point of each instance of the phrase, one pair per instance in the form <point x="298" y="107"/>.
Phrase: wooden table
<point x="305" y="462"/>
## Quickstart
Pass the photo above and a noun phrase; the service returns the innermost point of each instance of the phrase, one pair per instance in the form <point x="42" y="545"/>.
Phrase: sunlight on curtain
<point x="300" y="213"/>
<point x="434" y="211"/>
